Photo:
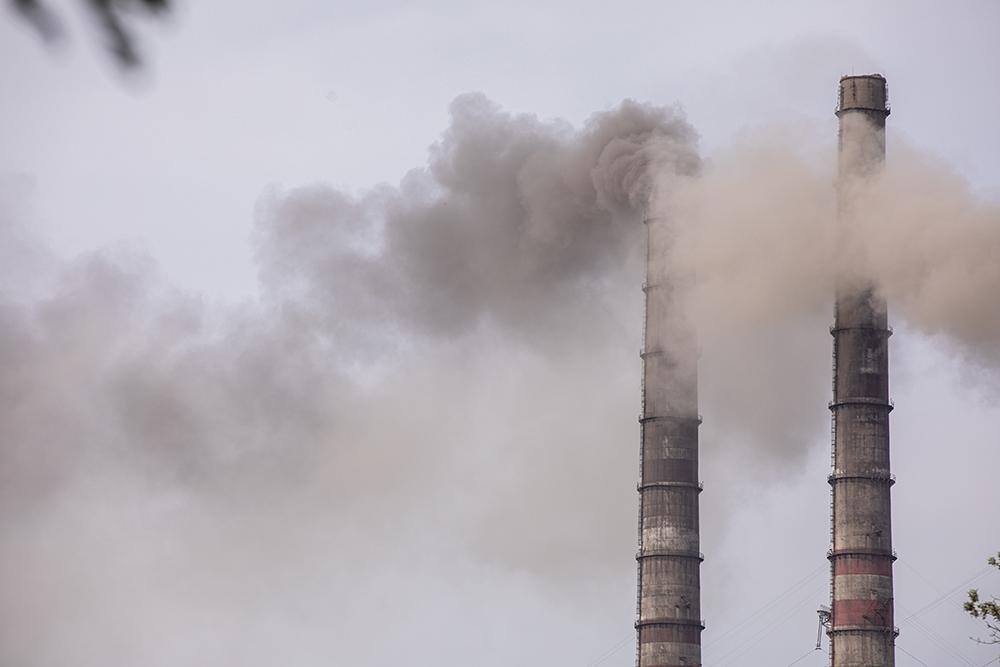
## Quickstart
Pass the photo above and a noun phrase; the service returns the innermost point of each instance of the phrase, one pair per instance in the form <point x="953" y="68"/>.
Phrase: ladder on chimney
<point x="638" y="563"/>
<point x="833" y="431"/>
<point x="642" y="415"/>
<point x="826" y="613"/>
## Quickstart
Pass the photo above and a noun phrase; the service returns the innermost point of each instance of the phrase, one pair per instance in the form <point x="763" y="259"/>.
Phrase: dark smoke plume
<point x="513" y="221"/>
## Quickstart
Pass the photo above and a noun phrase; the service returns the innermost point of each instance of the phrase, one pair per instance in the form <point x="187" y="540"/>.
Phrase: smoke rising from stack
<point x="512" y="220"/>
<point x="469" y="334"/>
<point x="763" y="215"/>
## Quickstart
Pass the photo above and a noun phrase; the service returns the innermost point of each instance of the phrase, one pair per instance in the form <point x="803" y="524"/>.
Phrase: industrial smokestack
<point x="861" y="626"/>
<point x="669" y="588"/>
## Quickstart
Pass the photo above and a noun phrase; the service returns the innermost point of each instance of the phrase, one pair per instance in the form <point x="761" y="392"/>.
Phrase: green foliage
<point x="986" y="610"/>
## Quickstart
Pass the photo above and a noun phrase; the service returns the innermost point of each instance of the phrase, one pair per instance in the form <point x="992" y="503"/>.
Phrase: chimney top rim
<point x="874" y="75"/>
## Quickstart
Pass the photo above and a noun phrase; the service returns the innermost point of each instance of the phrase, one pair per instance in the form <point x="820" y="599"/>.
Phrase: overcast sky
<point x="477" y="503"/>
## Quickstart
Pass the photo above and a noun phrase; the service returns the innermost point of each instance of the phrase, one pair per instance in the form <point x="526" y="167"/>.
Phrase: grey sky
<point x="498" y="553"/>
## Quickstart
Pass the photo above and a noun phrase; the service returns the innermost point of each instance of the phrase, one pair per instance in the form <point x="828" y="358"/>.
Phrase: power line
<point x="756" y="638"/>
<point x="940" y="641"/>
<point x="911" y="655"/>
<point x="942" y="598"/>
<point x="804" y="656"/>
<point x="920" y="576"/>
<point x="610" y="652"/>
<point x="754" y="614"/>
<point x="937" y="639"/>
<point x="603" y="657"/>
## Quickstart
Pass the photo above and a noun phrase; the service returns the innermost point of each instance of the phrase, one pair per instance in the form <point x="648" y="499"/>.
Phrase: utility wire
<point x="754" y="614"/>
<point x="610" y="652"/>
<point x="756" y="638"/>
<point x="933" y="603"/>
<point x="939" y="640"/>
<point x="911" y="655"/>
<point x="912" y="569"/>
<point x="804" y="656"/>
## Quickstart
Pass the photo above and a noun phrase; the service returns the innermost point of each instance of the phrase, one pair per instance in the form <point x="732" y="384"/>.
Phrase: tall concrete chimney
<point x="669" y="588"/>
<point x="861" y="628"/>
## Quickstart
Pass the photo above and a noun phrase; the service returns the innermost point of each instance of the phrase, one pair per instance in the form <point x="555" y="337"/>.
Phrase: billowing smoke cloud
<point x="435" y="397"/>
<point x="514" y="220"/>
<point x="764" y="235"/>
<point x="259" y="482"/>
<point x="761" y="229"/>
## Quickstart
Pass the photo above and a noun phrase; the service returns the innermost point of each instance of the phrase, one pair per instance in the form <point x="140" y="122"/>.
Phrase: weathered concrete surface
<point x="861" y="632"/>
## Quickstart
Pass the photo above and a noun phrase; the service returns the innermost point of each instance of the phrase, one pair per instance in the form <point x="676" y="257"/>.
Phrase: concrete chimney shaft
<point x="861" y="631"/>
<point x="669" y="588"/>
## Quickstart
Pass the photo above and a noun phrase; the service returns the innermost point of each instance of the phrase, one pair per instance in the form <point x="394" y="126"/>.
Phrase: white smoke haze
<point x="435" y="397"/>
<point x="760" y="228"/>
<point x="764" y="232"/>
